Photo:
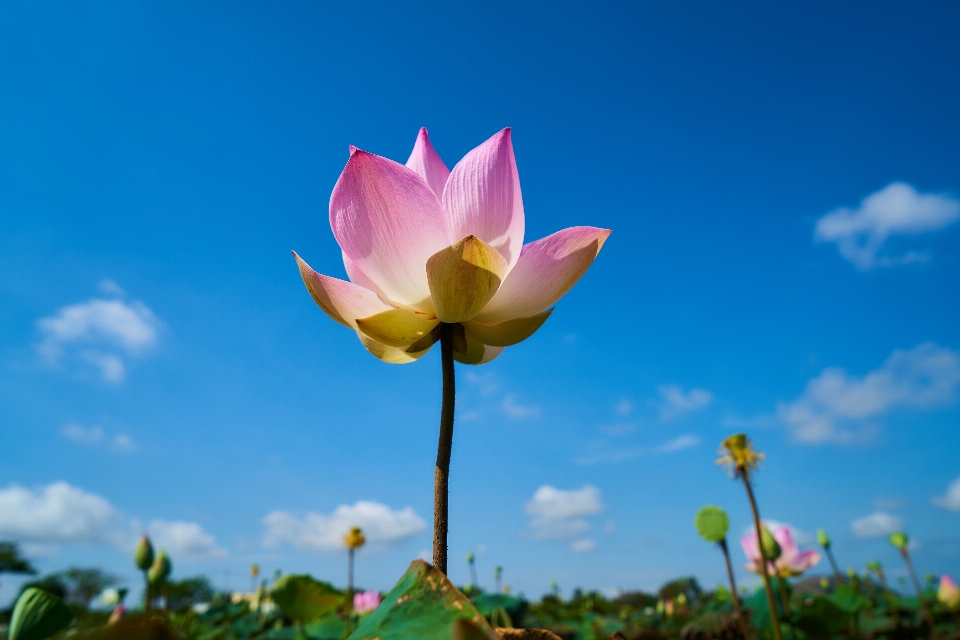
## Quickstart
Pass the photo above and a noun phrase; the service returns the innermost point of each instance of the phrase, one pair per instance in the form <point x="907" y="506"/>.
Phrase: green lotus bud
<point x="160" y="570"/>
<point x="851" y="573"/>
<point x="899" y="540"/>
<point x="824" y="584"/>
<point x="470" y="557"/>
<point x="681" y="599"/>
<point x="769" y="545"/>
<point x="143" y="555"/>
<point x="823" y="539"/>
<point x="712" y="523"/>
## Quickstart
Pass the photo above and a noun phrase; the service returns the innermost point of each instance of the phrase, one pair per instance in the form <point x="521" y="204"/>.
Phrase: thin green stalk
<point x="837" y="578"/>
<point x="441" y="476"/>
<point x="733" y="589"/>
<point x="920" y="598"/>
<point x="763" y="559"/>
<point x="146" y="591"/>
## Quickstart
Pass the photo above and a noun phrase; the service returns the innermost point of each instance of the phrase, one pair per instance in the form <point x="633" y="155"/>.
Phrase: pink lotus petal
<point x="788" y="548"/>
<point x="751" y="549"/>
<point x="425" y="162"/>
<point x="356" y="275"/>
<point x="482" y="198"/>
<point x="805" y="560"/>
<point x="547" y="270"/>
<point x="341" y="300"/>
<point x="388" y="222"/>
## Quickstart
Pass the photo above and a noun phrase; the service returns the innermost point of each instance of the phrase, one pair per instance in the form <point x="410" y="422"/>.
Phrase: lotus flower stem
<point x="836" y="570"/>
<point x="146" y="591"/>
<point x="784" y="597"/>
<point x="441" y="476"/>
<point x="771" y="604"/>
<point x="920" y="598"/>
<point x="350" y="552"/>
<point x="733" y="589"/>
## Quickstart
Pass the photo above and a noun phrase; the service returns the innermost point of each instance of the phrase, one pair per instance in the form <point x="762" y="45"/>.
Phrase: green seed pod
<point x="160" y="570"/>
<point x="823" y="539"/>
<point x="769" y="545"/>
<point x="712" y="523"/>
<point x="899" y="540"/>
<point x="470" y="557"/>
<point x="143" y="555"/>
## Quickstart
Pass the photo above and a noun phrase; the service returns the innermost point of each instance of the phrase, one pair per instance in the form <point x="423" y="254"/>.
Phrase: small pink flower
<point x="423" y="245"/>
<point x="366" y="601"/>
<point x="792" y="561"/>
<point x="948" y="593"/>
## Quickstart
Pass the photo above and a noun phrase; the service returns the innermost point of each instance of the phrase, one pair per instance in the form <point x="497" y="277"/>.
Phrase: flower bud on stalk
<point x="143" y="558"/>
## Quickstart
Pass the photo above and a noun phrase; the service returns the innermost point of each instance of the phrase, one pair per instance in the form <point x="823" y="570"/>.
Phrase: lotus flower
<point x="792" y="561"/>
<point x="423" y="245"/>
<point x="366" y="601"/>
<point x="948" y="593"/>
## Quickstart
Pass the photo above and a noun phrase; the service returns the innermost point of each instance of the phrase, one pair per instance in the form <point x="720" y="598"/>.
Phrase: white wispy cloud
<point x="950" y="500"/>
<point x="184" y="540"/>
<point x="382" y="526"/>
<point x="59" y="513"/>
<point x="583" y="546"/>
<point x="601" y="452"/>
<point x="556" y="514"/>
<point x="99" y="333"/>
<point x="95" y="434"/>
<point x="78" y="433"/>
<point x="624" y="407"/>
<point x="674" y="401"/>
<point x="837" y="407"/>
<point x="896" y="210"/>
<point x="517" y="411"/>
<point x="876" y="525"/>
<point x="681" y="442"/>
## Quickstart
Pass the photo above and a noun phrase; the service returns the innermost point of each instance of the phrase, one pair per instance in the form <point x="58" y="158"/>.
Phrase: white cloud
<point x="549" y="502"/>
<point x="674" y="402"/>
<point x="95" y="434"/>
<point x="559" y="515"/>
<point x="60" y="513"/>
<point x="518" y="411"/>
<point x="895" y="210"/>
<point x="123" y="442"/>
<point x="876" y="525"/>
<point x="682" y="442"/>
<point x="98" y="332"/>
<point x="185" y="540"/>
<point x="950" y="501"/>
<point x="57" y="513"/>
<point x="583" y="546"/>
<point x="78" y="433"/>
<point x="382" y="526"/>
<point x="624" y="407"/>
<point x="835" y="405"/>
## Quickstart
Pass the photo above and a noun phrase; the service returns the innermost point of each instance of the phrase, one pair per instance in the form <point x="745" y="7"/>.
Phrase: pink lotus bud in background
<point x="366" y="601"/>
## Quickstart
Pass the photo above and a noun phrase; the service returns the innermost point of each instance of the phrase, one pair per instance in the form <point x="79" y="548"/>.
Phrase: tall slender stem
<point x="784" y="598"/>
<point x="837" y="578"/>
<point x="763" y="558"/>
<point x="350" y="570"/>
<point x="441" y="476"/>
<point x="920" y="598"/>
<point x="733" y="589"/>
<point x="146" y="591"/>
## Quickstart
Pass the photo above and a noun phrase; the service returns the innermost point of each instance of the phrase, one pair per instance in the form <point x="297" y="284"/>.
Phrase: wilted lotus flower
<point x="792" y="561"/>
<point x="425" y="246"/>
<point x="366" y="601"/>
<point x="948" y="593"/>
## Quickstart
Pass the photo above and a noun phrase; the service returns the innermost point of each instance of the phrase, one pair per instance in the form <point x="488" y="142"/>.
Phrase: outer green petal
<point x="397" y="327"/>
<point x="390" y="355"/>
<point x="463" y="278"/>
<point x="507" y="333"/>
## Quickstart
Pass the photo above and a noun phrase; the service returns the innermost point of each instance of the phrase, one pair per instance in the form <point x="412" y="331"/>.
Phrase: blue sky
<point x="782" y="183"/>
